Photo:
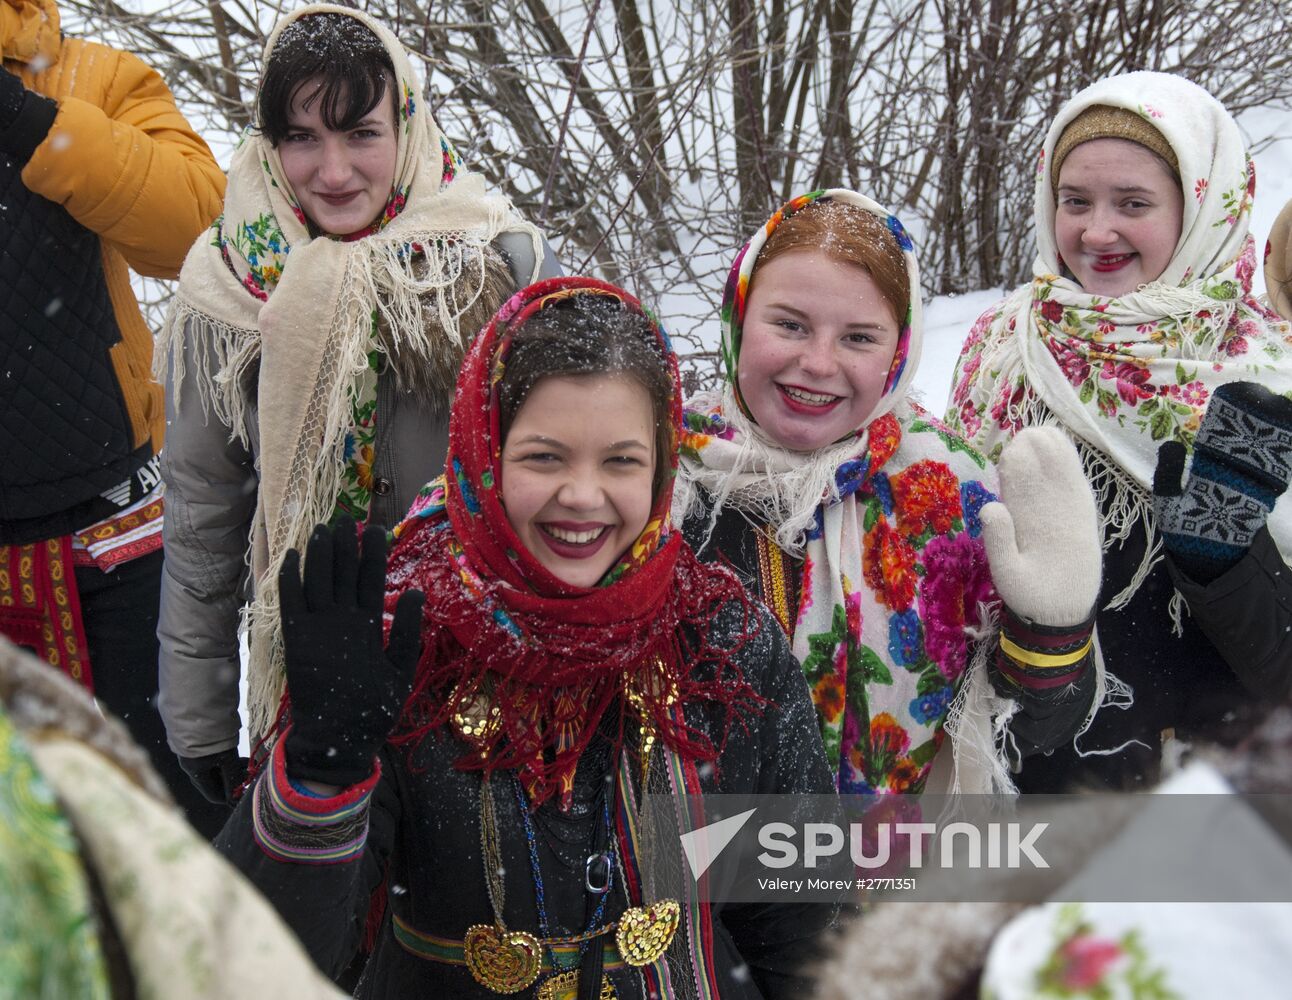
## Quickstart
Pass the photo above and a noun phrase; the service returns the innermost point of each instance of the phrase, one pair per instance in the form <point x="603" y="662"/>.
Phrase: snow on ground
<point x="947" y="319"/>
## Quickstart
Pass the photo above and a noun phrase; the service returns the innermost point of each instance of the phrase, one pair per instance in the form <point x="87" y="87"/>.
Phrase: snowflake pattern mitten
<point x="1242" y="463"/>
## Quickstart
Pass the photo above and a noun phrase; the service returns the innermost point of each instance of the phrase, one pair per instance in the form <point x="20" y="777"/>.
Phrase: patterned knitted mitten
<point x="1242" y="463"/>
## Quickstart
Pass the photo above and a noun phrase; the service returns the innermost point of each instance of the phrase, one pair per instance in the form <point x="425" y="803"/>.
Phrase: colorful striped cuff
<point x="1040" y="657"/>
<point x="289" y="825"/>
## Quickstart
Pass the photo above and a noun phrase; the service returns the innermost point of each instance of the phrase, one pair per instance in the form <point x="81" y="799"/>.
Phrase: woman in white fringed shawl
<point x="312" y="351"/>
<point x="1140" y="337"/>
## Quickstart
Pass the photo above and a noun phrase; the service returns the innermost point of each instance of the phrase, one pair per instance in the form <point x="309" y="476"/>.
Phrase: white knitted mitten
<point x="1042" y="538"/>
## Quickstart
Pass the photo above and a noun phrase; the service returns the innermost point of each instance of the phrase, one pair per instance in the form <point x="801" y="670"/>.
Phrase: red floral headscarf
<point x="552" y="659"/>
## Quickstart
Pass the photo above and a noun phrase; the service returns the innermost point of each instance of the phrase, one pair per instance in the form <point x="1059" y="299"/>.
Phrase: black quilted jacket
<point x="65" y="434"/>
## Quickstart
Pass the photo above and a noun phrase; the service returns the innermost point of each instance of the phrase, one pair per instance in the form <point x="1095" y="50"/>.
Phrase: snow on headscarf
<point x="1122" y="375"/>
<point x="556" y="659"/>
<point x="784" y="486"/>
<point x="895" y="576"/>
<point x="411" y="288"/>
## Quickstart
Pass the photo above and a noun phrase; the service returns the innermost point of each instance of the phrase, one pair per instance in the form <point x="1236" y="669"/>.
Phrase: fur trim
<point x="474" y="297"/>
<point x="41" y="701"/>
<point x="914" y="951"/>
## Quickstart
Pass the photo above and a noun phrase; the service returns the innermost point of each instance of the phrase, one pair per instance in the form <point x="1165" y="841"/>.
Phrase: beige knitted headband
<point x="1103" y="122"/>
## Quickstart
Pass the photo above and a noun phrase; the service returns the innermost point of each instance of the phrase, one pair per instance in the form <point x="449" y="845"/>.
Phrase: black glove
<point x="1242" y="463"/>
<point x="217" y="775"/>
<point x="25" y="118"/>
<point x="346" y="690"/>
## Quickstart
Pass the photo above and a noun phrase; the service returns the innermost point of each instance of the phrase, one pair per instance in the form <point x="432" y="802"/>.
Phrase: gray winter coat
<point x="211" y="487"/>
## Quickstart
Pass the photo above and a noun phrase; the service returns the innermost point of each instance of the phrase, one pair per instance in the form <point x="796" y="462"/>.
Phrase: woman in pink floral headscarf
<point x="1139" y="336"/>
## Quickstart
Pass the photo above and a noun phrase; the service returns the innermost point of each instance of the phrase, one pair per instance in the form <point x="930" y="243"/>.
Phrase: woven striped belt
<point x="452" y="952"/>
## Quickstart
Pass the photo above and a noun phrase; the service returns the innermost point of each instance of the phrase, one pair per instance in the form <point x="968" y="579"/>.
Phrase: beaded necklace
<point x="566" y="977"/>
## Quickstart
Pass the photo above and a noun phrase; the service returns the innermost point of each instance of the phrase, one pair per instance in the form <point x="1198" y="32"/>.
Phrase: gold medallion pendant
<point x="565" y="986"/>
<point x="645" y="932"/>
<point x="501" y="960"/>
<point x="477" y="721"/>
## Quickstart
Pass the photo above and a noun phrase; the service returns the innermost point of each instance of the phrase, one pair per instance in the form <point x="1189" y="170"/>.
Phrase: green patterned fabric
<point x="49" y="947"/>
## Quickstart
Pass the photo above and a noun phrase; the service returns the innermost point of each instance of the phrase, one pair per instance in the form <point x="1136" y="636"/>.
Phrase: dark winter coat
<point x="1214" y="682"/>
<point x="424" y="835"/>
<point x="100" y="171"/>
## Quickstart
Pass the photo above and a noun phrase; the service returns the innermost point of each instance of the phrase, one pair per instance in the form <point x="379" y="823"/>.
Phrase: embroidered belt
<point x="452" y="952"/>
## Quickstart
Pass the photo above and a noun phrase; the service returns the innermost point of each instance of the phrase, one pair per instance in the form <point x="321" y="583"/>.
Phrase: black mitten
<point x="347" y="689"/>
<point x="1242" y="463"/>
<point x="217" y="775"/>
<point x="25" y="118"/>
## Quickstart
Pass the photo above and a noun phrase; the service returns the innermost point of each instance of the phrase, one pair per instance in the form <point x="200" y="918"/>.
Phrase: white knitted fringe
<point x="1121" y="502"/>
<point x="977" y="724"/>
<point x="219" y="354"/>
<point x="401" y="288"/>
<point x="780" y="488"/>
<point x="1111" y="692"/>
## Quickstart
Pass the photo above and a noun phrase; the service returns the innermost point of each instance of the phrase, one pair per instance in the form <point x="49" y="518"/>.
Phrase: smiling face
<point x="815" y="348"/>
<point x="342" y="179"/>
<point x="577" y="473"/>
<point x="1118" y="217"/>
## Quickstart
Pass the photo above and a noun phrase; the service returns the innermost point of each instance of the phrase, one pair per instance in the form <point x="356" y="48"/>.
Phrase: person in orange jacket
<point x="99" y="171"/>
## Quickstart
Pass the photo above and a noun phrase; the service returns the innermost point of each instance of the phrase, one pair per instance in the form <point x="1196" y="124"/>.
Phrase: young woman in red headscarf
<point x="573" y="655"/>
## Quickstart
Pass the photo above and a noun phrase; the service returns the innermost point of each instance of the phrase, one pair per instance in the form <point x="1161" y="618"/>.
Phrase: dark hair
<point x="341" y="51"/>
<point x="591" y="335"/>
<point x="851" y="235"/>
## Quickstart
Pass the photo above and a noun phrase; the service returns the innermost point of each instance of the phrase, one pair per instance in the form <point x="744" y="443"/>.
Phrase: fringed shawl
<point x="1123" y="375"/>
<point x="556" y="663"/>
<point x="297" y="333"/>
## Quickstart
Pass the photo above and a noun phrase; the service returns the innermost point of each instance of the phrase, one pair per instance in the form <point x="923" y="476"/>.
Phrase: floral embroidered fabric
<point x="1125" y="374"/>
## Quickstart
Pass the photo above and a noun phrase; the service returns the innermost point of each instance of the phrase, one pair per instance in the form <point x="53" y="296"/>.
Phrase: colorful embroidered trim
<point x="289" y="826"/>
<point x="451" y="951"/>
<point x="685" y="786"/>
<point x="780" y="582"/>
<point x="658" y="980"/>
<point x="1043" y="661"/>
<point x="134" y="532"/>
<point x="1043" y="656"/>
<point x="40" y="607"/>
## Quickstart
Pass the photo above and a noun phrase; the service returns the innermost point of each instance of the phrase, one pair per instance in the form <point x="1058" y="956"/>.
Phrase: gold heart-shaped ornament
<point x="501" y="960"/>
<point x="645" y="932"/>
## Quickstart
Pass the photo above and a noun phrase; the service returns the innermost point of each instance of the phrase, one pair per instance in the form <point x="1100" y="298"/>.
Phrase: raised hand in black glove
<point x="346" y="689"/>
<point x="1242" y="463"/>
<point x="217" y="775"/>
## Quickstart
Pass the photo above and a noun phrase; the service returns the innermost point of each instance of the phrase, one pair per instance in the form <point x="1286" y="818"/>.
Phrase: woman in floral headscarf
<point x="574" y="654"/>
<point x="1140" y="338"/>
<point x="312" y="351"/>
<point x="872" y="531"/>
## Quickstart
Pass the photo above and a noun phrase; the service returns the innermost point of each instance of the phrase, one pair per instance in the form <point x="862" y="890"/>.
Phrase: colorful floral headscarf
<point x="1123" y="375"/>
<point x="552" y="658"/>
<point x="907" y="355"/>
<point x="886" y="522"/>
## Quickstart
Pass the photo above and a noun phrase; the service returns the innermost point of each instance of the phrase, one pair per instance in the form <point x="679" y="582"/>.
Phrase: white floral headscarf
<point x="1123" y="375"/>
